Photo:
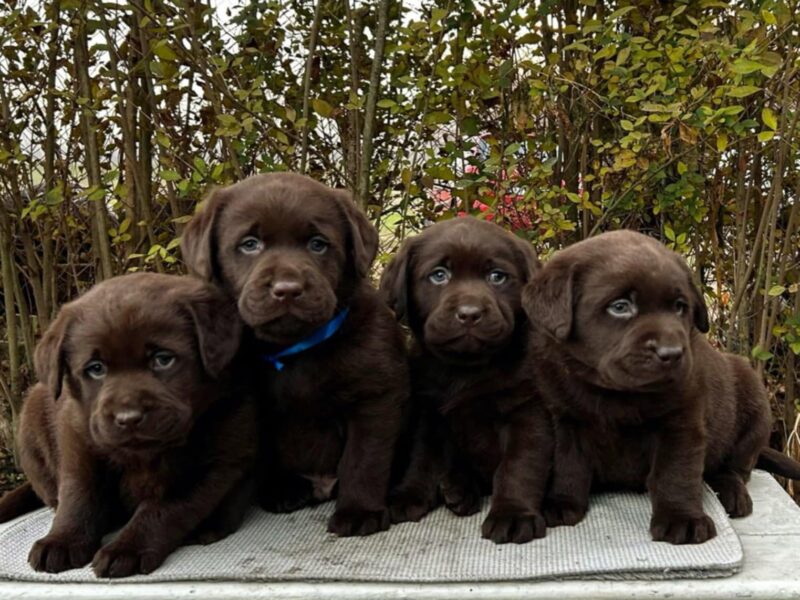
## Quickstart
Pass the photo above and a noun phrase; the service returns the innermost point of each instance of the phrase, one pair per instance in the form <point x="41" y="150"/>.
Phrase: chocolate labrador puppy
<point x="640" y="398"/>
<point x="327" y="356"/>
<point x="136" y="423"/>
<point x="479" y="426"/>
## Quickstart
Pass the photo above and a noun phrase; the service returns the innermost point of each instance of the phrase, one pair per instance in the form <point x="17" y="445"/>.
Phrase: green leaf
<point x="745" y="66"/>
<point x="776" y="290"/>
<point x="743" y="91"/>
<point x="669" y="233"/>
<point x="769" y="118"/>
<point x="620" y="12"/>
<point x="163" y="51"/>
<point x="321" y="107"/>
<point x="437" y="118"/>
<point x="386" y="103"/>
<point x="722" y="141"/>
<point x="170" y="175"/>
<point x="605" y="52"/>
<point x="766" y="136"/>
<point x="626" y="125"/>
<point x="760" y="354"/>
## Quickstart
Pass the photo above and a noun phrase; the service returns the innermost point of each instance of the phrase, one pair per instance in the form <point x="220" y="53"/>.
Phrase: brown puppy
<point x="296" y="255"/>
<point x="640" y="398"/>
<point x="479" y="428"/>
<point x="134" y="423"/>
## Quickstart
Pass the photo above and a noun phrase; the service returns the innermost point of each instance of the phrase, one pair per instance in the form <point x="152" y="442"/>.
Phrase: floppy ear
<point x="699" y="308"/>
<point x="198" y="243"/>
<point x="548" y="299"/>
<point x="526" y="258"/>
<point x="218" y="328"/>
<point x="363" y="234"/>
<point x="394" y="281"/>
<point x="49" y="359"/>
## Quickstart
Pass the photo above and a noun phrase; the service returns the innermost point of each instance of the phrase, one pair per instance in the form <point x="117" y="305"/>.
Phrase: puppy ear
<point x="198" y="243"/>
<point x="394" y="281"/>
<point x="548" y="299"/>
<point x="526" y="258"/>
<point x="218" y="328"/>
<point x="699" y="308"/>
<point x="363" y="234"/>
<point x="49" y="358"/>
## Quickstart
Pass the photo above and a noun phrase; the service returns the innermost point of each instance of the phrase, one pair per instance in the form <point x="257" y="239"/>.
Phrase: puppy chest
<point x="619" y="457"/>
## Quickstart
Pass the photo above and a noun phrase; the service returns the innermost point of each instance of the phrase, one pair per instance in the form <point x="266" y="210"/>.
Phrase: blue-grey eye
<point x="162" y="360"/>
<point x="318" y="244"/>
<point x="96" y="369"/>
<point x="622" y="308"/>
<point x="250" y="244"/>
<point x="439" y="276"/>
<point x="497" y="277"/>
<point x="681" y="306"/>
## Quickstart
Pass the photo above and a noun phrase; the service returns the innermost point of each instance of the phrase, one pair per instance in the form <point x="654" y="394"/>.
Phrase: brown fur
<point x="479" y="426"/>
<point x="295" y="253"/>
<point x="162" y="451"/>
<point x="642" y="400"/>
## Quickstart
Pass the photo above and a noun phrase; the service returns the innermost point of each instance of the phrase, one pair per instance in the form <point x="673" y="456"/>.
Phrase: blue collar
<point x="316" y="338"/>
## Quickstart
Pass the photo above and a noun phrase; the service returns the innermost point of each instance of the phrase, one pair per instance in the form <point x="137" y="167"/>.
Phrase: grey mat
<point x="613" y="542"/>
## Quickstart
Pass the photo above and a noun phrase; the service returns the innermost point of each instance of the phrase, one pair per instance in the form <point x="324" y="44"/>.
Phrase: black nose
<point x="469" y="314"/>
<point x="668" y="354"/>
<point x="128" y="417"/>
<point x="286" y="290"/>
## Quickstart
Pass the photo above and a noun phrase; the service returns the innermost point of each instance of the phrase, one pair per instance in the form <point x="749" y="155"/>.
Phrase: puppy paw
<point x="562" y="511"/>
<point x="124" y="559"/>
<point x="287" y="494"/>
<point x="462" y="501"/>
<point x="681" y="529"/>
<point x="207" y="535"/>
<point x="407" y="506"/>
<point x="350" y="522"/>
<point x="54" y="554"/>
<point x="733" y="496"/>
<point x="503" y="527"/>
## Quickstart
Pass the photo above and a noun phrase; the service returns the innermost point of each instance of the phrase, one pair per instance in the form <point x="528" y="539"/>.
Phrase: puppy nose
<point x="286" y="290"/>
<point x="128" y="418"/>
<point x="469" y="314"/>
<point x="668" y="354"/>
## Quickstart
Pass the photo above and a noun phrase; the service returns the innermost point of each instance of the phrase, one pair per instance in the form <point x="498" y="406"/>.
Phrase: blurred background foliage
<point x="558" y="120"/>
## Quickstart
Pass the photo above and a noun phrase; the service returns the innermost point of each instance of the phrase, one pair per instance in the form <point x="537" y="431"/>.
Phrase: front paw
<point x="54" y="554"/>
<point x="462" y="501"/>
<point x="677" y="529"/>
<point x="350" y="522"/>
<point x="503" y="527"/>
<point x="562" y="511"/>
<point x="408" y="506"/>
<point x="286" y="494"/>
<point x="121" y="559"/>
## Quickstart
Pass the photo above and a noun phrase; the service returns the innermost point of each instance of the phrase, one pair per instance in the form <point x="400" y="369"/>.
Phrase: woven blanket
<point x="613" y="542"/>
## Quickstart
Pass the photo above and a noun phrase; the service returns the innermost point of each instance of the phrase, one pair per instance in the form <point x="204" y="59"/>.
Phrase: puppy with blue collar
<point x="325" y="354"/>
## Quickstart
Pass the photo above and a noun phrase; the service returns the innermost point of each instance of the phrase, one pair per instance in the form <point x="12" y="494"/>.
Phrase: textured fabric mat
<point x="613" y="542"/>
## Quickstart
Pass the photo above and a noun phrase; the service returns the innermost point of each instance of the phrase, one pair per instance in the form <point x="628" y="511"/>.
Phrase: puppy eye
<point x="96" y="369"/>
<point x="622" y="308"/>
<point x="318" y="244"/>
<point x="497" y="277"/>
<point x="162" y="360"/>
<point x="681" y="306"/>
<point x="439" y="276"/>
<point x="250" y="245"/>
